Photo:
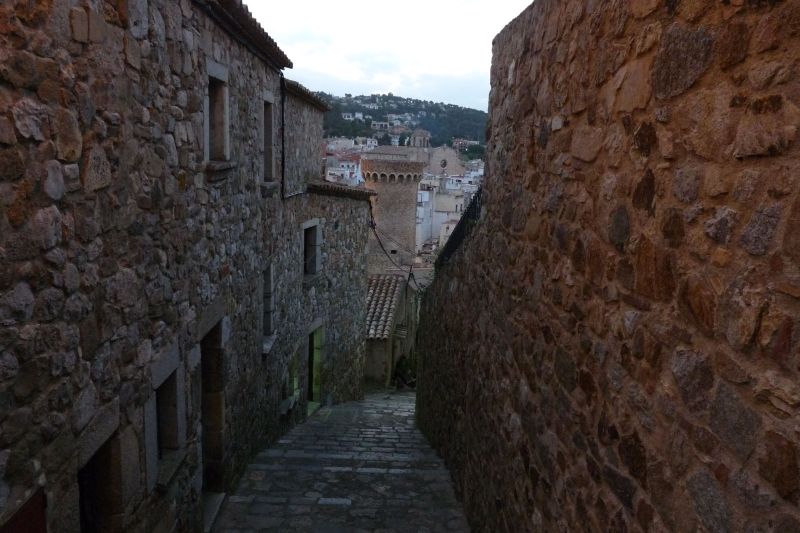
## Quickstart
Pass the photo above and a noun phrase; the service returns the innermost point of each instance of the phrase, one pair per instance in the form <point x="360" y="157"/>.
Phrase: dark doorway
<point x="30" y="518"/>
<point x="99" y="486"/>
<point x="213" y="410"/>
<point x="315" y="347"/>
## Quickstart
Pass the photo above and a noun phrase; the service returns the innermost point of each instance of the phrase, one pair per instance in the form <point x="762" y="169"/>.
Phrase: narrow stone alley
<point x="359" y="466"/>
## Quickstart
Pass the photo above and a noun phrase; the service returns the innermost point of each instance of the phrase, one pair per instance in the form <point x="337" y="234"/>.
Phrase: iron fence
<point x="462" y="229"/>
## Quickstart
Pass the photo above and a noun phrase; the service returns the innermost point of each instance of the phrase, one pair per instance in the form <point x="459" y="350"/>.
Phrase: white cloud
<point x="428" y="49"/>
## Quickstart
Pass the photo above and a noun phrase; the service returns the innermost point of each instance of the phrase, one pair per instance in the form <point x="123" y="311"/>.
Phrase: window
<point x="99" y="490"/>
<point x="269" y="137"/>
<point x="218" y="120"/>
<point x="167" y="416"/>
<point x="312" y="248"/>
<point x="269" y="302"/>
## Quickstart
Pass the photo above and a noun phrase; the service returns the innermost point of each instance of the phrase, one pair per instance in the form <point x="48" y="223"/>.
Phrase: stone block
<point x="99" y="430"/>
<point x="226" y="330"/>
<point x="7" y="135"/>
<point x="133" y="52"/>
<point x="720" y="226"/>
<point x="151" y="442"/>
<point x="586" y="143"/>
<point x="47" y="227"/>
<point x="760" y="230"/>
<point x="193" y="358"/>
<point x="17" y="303"/>
<point x="68" y="135"/>
<point x="695" y="378"/>
<point x="619" y="230"/>
<point x="79" y="22"/>
<point x="685" y="55"/>
<point x="734" y="423"/>
<point x="96" y="169"/>
<point x="30" y="118"/>
<point x="12" y="164"/>
<point x="709" y="502"/>
<point x="180" y="411"/>
<point x="642" y="8"/>
<point x="131" y="466"/>
<point x="164" y="365"/>
<point x="779" y="465"/>
<point x="98" y="28"/>
<point x="53" y="184"/>
<point x="210" y="317"/>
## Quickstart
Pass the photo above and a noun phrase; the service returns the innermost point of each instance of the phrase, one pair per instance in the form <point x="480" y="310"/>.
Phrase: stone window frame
<point x="160" y="468"/>
<point x="218" y="73"/>
<point x="269" y="330"/>
<point x="312" y="265"/>
<point x="268" y="158"/>
<point x="102" y="430"/>
<point x="102" y="479"/>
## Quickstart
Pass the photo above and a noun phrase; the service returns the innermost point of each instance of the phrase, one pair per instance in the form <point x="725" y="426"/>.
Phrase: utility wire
<point x="374" y="226"/>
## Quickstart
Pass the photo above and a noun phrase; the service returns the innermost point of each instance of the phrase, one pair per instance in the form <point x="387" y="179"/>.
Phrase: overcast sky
<point x="437" y="50"/>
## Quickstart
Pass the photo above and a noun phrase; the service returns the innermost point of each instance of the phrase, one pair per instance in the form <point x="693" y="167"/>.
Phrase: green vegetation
<point x="444" y="121"/>
<point x="474" y="152"/>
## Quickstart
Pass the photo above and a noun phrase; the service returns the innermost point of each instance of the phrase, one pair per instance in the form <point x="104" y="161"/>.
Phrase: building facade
<point x="394" y="174"/>
<point x="176" y="285"/>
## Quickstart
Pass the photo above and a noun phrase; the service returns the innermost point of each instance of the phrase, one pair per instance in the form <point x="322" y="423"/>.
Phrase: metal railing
<point x="462" y="229"/>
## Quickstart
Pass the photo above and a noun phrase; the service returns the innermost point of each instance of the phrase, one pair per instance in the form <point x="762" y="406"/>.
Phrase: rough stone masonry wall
<point x="118" y="252"/>
<point x="616" y="346"/>
<point x="395" y="211"/>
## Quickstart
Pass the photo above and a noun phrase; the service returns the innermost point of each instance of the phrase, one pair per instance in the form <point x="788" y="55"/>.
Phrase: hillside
<point x="444" y="121"/>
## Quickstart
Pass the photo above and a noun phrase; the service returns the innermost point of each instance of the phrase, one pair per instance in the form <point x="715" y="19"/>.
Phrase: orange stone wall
<point x="616" y="345"/>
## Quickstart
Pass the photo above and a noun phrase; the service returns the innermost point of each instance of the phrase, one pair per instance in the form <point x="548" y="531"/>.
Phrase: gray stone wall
<point x="395" y="212"/>
<point x="120" y="249"/>
<point x="616" y="347"/>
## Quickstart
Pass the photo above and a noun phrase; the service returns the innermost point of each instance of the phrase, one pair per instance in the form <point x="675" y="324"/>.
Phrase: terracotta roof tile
<point x="383" y="298"/>
<point x="235" y="17"/>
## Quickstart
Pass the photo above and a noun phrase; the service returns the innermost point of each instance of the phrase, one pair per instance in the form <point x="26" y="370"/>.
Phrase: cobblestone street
<point x="360" y="466"/>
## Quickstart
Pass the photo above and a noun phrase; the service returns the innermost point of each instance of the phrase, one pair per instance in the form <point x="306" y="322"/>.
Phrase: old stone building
<point x="391" y="326"/>
<point x="393" y="173"/>
<point x="616" y="346"/>
<point x="177" y="287"/>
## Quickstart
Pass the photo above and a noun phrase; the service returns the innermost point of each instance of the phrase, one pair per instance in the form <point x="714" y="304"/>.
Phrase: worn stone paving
<point x="360" y="466"/>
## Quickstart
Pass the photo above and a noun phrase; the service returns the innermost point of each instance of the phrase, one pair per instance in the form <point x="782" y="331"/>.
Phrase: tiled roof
<point x="300" y="91"/>
<point x="235" y="18"/>
<point x="382" y="302"/>
<point x="338" y="189"/>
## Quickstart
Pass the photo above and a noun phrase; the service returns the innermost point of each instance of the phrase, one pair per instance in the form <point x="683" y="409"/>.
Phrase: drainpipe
<point x="283" y="137"/>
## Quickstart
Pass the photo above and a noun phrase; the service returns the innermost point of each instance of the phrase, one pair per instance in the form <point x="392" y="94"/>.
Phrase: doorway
<point x="212" y="385"/>
<point x="99" y="489"/>
<point x="316" y="341"/>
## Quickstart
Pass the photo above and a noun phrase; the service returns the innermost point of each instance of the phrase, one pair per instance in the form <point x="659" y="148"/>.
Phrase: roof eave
<point x="235" y="19"/>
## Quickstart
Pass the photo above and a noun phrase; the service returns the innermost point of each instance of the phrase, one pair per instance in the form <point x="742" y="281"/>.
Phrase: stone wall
<point x="616" y="346"/>
<point x="127" y="261"/>
<point x="395" y="211"/>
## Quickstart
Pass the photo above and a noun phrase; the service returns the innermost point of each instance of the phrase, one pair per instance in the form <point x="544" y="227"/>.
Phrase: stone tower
<point x="394" y="173"/>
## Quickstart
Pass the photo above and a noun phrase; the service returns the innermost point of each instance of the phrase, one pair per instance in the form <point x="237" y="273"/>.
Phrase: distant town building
<point x="445" y="161"/>
<point x="366" y="143"/>
<point x="463" y="144"/>
<point x="344" y="168"/>
<point x="380" y="126"/>
<point x="347" y="116"/>
<point x="391" y="325"/>
<point x="421" y="139"/>
<point x="394" y="172"/>
<point x="337" y="144"/>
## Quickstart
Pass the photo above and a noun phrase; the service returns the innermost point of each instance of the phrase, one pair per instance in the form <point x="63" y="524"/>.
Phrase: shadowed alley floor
<point x="360" y="466"/>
